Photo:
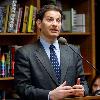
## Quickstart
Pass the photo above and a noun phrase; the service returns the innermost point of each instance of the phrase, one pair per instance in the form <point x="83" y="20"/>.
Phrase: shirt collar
<point x="47" y="45"/>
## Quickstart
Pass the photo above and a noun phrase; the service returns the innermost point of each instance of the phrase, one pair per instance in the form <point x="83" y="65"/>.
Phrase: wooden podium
<point x="84" y="98"/>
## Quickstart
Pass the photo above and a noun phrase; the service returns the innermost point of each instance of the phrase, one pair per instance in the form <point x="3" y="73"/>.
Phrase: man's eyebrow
<point x="49" y="16"/>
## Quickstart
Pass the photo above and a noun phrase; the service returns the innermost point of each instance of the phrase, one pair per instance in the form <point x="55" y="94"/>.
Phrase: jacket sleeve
<point x="22" y="77"/>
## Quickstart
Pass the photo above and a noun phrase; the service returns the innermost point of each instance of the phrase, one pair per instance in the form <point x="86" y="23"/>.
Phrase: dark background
<point x="97" y="27"/>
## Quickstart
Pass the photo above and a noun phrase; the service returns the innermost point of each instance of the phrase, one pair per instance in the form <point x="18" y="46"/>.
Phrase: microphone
<point x="64" y="42"/>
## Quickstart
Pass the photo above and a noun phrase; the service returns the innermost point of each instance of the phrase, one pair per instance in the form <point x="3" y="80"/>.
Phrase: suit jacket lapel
<point x="64" y="61"/>
<point x="42" y="56"/>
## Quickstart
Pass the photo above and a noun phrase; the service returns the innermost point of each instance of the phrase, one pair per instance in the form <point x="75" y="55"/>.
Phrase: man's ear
<point x="38" y="23"/>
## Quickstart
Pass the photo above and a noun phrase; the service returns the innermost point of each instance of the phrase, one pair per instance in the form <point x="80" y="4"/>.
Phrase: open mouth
<point x="54" y="30"/>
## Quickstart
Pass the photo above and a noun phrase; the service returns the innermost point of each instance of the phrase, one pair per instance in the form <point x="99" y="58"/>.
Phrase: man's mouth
<point x="54" y="30"/>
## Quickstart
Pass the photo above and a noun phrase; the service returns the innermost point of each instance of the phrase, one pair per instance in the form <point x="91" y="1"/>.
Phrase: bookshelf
<point x="86" y="40"/>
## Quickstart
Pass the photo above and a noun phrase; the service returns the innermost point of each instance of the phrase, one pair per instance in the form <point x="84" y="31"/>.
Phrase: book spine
<point x="66" y="22"/>
<point x="3" y="65"/>
<point x="6" y="18"/>
<point x="1" y="18"/>
<point x="0" y="64"/>
<point x="33" y="20"/>
<point x="73" y="19"/>
<point x="19" y="20"/>
<point x="80" y="23"/>
<point x="25" y="20"/>
<point x="8" y="65"/>
<point x="12" y="60"/>
<point x="12" y="16"/>
<point x="30" y="18"/>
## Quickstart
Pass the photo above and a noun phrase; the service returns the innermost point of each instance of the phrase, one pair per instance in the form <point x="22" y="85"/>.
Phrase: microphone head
<point x="62" y="40"/>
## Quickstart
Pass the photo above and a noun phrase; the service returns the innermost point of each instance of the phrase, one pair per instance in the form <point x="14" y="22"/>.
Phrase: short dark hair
<point x="45" y="8"/>
<point x="92" y="83"/>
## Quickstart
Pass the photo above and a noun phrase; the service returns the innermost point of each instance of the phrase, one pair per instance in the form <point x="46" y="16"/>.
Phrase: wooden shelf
<point x="75" y="33"/>
<point x="14" y="34"/>
<point x="7" y="78"/>
<point x="62" y="33"/>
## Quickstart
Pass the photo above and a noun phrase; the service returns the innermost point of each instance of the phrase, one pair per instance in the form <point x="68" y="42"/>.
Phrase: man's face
<point x="51" y="25"/>
<point x="96" y="85"/>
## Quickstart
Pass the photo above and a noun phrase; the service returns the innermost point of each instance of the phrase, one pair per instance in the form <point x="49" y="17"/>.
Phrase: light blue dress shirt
<point x="46" y="46"/>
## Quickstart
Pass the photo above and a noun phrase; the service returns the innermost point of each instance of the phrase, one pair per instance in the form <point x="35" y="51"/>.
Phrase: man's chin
<point x="55" y="35"/>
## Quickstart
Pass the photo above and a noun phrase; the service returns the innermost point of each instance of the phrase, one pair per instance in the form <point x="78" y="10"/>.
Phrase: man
<point x="36" y="77"/>
<point x="95" y="86"/>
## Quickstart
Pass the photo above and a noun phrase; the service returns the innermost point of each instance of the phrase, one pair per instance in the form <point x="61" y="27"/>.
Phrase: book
<point x="12" y="16"/>
<point x="18" y="19"/>
<point x="3" y="65"/>
<point x="6" y="18"/>
<point x="25" y="20"/>
<point x="2" y="18"/>
<point x="7" y="64"/>
<point x="66" y="22"/>
<point x="33" y="19"/>
<point x="80" y="22"/>
<point x="13" y="48"/>
<point x="73" y="19"/>
<point x="0" y="61"/>
<point x="30" y="18"/>
<point x="69" y="20"/>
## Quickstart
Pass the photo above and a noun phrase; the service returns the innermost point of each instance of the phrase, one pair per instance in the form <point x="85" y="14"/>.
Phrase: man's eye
<point x="58" y="20"/>
<point x="50" y="19"/>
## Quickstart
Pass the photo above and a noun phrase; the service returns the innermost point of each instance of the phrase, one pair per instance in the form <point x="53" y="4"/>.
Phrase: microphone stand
<point x="83" y="58"/>
<point x="64" y="42"/>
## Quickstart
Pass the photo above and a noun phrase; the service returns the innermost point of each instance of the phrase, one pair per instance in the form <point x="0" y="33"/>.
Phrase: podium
<point x="84" y="98"/>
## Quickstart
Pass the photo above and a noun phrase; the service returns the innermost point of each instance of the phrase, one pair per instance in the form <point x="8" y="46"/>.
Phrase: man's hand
<point x="61" y="92"/>
<point x="66" y="91"/>
<point x="78" y="89"/>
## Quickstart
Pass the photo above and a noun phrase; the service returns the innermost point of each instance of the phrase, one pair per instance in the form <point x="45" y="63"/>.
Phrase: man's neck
<point x="49" y="40"/>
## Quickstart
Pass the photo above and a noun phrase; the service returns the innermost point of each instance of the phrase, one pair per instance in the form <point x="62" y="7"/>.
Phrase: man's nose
<point x="54" y="22"/>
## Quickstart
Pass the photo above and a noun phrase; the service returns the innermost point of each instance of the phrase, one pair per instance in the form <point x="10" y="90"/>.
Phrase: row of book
<point x="73" y="21"/>
<point x="7" y="61"/>
<point x="14" y="18"/>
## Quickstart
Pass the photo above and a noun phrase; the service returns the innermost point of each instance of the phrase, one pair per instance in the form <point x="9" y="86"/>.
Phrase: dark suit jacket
<point x="34" y="75"/>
